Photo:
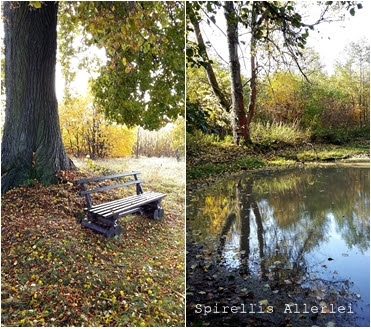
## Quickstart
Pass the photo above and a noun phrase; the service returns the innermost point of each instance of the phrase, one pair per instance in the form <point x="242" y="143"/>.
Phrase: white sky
<point x="329" y="42"/>
<point x="80" y="85"/>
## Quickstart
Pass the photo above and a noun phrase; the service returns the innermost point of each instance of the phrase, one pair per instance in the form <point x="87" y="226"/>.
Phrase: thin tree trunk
<point x="252" y="103"/>
<point x="253" y="80"/>
<point x="32" y="145"/>
<point x="224" y="102"/>
<point x="240" y="131"/>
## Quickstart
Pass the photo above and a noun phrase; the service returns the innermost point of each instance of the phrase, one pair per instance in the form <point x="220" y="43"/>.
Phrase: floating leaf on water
<point x="275" y="291"/>
<point x="263" y="302"/>
<point x="193" y="266"/>
<point x="358" y="296"/>
<point x="202" y="292"/>
<point x="330" y="259"/>
<point x="287" y="281"/>
<point x="322" y="304"/>
<point x="331" y="324"/>
<point x="277" y="263"/>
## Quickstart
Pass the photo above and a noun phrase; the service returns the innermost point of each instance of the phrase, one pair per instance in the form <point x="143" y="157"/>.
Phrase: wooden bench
<point x="103" y="217"/>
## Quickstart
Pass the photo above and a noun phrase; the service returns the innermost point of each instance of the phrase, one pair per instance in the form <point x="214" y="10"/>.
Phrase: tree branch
<point x="210" y="72"/>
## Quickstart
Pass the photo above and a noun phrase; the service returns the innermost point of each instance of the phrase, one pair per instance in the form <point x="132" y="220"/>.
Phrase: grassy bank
<point x="54" y="273"/>
<point x="208" y="157"/>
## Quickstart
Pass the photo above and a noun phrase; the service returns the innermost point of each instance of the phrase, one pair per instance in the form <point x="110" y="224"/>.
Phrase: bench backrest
<point x="85" y="181"/>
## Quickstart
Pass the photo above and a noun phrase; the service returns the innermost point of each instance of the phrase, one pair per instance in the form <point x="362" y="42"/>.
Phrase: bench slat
<point x="106" y="212"/>
<point x="110" y="187"/>
<point x="115" y="203"/>
<point x="122" y="207"/>
<point x="96" y="179"/>
<point x="131" y="211"/>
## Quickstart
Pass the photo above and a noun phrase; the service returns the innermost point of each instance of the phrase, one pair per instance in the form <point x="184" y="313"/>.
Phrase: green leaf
<point x="35" y="4"/>
<point x="352" y="11"/>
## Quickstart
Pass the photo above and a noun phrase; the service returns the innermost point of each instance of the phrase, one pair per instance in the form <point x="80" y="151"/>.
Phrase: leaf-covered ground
<point x="55" y="273"/>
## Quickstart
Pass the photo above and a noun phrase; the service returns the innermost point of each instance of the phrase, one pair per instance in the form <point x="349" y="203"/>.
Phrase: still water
<point x="308" y="226"/>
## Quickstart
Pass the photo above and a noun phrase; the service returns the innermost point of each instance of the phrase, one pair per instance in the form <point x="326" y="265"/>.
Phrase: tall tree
<point x="142" y="83"/>
<point x="239" y="121"/>
<point x="31" y="146"/>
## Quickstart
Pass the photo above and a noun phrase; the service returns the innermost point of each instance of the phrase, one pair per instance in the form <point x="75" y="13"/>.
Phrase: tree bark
<point x="252" y="103"/>
<point x="239" y="123"/>
<point x="32" y="145"/>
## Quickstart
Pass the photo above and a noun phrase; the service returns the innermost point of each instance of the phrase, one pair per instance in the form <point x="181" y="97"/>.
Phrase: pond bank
<point x="210" y="162"/>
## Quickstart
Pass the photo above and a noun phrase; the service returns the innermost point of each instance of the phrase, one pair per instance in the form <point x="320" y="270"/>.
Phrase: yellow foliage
<point x="122" y="140"/>
<point x="85" y="131"/>
<point x="178" y="135"/>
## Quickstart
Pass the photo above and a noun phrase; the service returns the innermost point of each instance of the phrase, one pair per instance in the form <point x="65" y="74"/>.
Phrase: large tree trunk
<point x="32" y="146"/>
<point x="240" y="129"/>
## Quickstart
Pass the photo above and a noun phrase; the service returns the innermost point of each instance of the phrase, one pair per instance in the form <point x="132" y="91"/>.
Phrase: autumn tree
<point x="353" y="77"/>
<point x="275" y="27"/>
<point x="200" y="92"/>
<point x="32" y="145"/>
<point x="85" y="130"/>
<point x="142" y="81"/>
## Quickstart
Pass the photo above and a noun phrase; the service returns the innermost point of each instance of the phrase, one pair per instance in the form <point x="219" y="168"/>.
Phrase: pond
<point x="288" y="238"/>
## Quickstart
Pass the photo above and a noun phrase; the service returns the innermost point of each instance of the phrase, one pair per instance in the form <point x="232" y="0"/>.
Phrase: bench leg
<point x="109" y="231"/>
<point x="155" y="210"/>
<point x="113" y="231"/>
<point x="158" y="213"/>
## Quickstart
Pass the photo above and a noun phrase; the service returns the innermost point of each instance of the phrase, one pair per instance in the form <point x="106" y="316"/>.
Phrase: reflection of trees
<point x="285" y="216"/>
<point x="209" y="211"/>
<point x="353" y="217"/>
<point x="249" y="210"/>
<point x="343" y="192"/>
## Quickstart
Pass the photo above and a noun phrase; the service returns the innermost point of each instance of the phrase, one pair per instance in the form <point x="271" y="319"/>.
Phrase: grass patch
<point x="56" y="273"/>
<point x="278" y="133"/>
<point x="331" y="153"/>
<point x="210" y="169"/>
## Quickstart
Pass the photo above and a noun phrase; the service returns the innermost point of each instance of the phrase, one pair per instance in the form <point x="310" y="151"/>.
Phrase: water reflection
<point x="292" y="225"/>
